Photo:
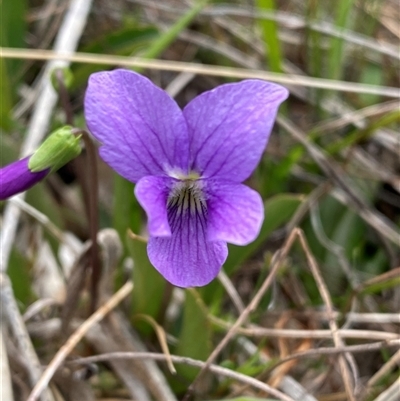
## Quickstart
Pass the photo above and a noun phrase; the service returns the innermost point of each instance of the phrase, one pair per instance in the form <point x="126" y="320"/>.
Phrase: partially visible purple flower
<point x="17" y="177"/>
<point x="59" y="148"/>
<point x="188" y="165"/>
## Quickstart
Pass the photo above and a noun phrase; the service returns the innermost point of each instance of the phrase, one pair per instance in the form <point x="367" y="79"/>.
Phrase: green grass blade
<point x="5" y="97"/>
<point x="12" y="34"/>
<point x="357" y="135"/>
<point x="336" y="52"/>
<point x="159" y="45"/>
<point x="270" y="36"/>
<point x="126" y="208"/>
<point x="195" y="334"/>
<point x="150" y="286"/>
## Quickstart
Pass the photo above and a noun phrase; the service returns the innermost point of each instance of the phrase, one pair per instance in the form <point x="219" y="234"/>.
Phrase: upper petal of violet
<point x="141" y="128"/>
<point x="229" y="127"/>
<point x="16" y="177"/>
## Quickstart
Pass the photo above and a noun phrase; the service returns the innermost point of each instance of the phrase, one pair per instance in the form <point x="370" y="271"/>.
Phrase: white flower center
<point x="187" y="195"/>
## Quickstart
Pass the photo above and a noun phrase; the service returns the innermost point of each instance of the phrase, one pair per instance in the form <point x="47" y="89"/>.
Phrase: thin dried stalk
<point x="202" y="69"/>
<point x="277" y="260"/>
<point x="261" y="332"/>
<point x="318" y="352"/>
<point x="6" y="392"/>
<point x="187" y="361"/>
<point x="18" y="328"/>
<point x="74" y="339"/>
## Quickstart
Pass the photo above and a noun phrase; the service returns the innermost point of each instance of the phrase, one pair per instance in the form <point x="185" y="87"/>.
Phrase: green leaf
<point x="58" y="149"/>
<point x="195" y="334"/>
<point x="349" y="234"/>
<point x="12" y="34"/>
<point x="372" y="75"/>
<point x="336" y="50"/>
<point x="278" y="211"/>
<point x="127" y="212"/>
<point x="18" y="271"/>
<point x="150" y="286"/>
<point x="270" y="36"/>
<point x="13" y="27"/>
<point x="12" y="23"/>
<point x="5" y="98"/>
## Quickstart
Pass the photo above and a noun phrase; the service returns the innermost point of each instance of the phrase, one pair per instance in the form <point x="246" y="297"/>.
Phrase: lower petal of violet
<point x="187" y="258"/>
<point x="235" y="212"/>
<point x="152" y="194"/>
<point x="16" y="178"/>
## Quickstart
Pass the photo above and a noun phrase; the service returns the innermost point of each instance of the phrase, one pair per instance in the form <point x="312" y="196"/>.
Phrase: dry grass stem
<point x="18" y="329"/>
<point x="190" y="362"/>
<point x="356" y="116"/>
<point x="74" y="339"/>
<point x="277" y="260"/>
<point x="231" y="291"/>
<point x="318" y="352"/>
<point x="40" y="217"/>
<point x="162" y="339"/>
<point x="332" y="322"/>
<point x="200" y="69"/>
<point x="6" y="392"/>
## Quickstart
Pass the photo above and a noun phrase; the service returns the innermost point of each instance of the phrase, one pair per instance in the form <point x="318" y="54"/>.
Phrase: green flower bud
<point x="58" y="149"/>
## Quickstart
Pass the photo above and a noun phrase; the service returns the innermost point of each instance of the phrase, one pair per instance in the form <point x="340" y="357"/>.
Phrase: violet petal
<point x="187" y="258"/>
<point x="235" y="212"/>
<point x="229" y="127"/>
<point x="141" y="128"/>
<point x="16" y="177"/>
<point x="152" y="194"/>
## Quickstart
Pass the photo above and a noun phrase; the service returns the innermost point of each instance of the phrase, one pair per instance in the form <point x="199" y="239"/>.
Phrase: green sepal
<point x="58" y="149"/>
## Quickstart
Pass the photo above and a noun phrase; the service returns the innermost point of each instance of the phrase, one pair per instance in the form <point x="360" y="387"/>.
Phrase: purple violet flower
<point x="59" y="148"/>
<point x="17" y="177"/>
<point x="188" y="165"/>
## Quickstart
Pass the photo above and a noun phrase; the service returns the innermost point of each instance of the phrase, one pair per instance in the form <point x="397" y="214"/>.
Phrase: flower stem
<point x="89" y="188"/>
